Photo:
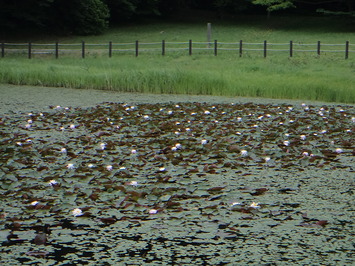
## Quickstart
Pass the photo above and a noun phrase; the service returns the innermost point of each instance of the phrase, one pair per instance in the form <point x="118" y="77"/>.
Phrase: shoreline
<point x="23" y="98"/>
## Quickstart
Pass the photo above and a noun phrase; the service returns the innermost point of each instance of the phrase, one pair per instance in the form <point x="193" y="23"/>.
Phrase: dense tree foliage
<point x="93" y="16"/>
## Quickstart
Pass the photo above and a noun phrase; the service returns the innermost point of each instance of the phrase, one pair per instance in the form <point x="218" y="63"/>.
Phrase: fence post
<point x="56" y="50"/>
<point x="29" y="50"/>
<point x="110" y="49"/>
<point x="190" y="47"/>
<point x="163" y="47"/>
<point x="215" y="47"/>
<point x="291" y="48"/>
<point x="346" y="49"/>
<point x="318" y="48"/>
<point x="2" y="49"/>
<point x="240" y="48"/>
<point x="209" y="34"/>
<point x="82" y="49"/>
<point x="265" y="48"/>
<point x="137" y="43"/>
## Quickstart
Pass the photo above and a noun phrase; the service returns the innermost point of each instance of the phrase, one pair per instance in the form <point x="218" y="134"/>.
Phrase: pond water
<point x="129" y="179"/>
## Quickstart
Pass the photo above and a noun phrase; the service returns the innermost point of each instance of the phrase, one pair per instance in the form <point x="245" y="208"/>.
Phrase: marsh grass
<point x="304" y="76"/>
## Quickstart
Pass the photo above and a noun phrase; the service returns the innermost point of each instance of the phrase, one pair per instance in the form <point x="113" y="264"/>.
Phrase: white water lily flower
<point x="77" y="212"/>
<point x="303" y="137"/>
<point x="204" y="141"/>
<point x="243" y="152"/>
<point x="28" y="126"/>
<point x="188" y="129"/>
<point x="178" y="145"/>
<point x="267" y="159"/>
<point x="109" y="167"/>
<point x="162" y="169"/>
<point x="174" y="148"/>
<point x="19" y="143"/>
<point x="122" y="168"/>
<point x="70" y="166"/>
<point x="72" y="126"/>
<point x="170" y="112"/>
<point x="34" y="203"/>
<point x="102" y="145"/>
<point x="90" y="165"/>
<point x="146" y="117"/>
<point x="338" y="150"/>
<point x="254" y="205"/>
<point x="207" y="112"/>
<point x="63" y="150"/>
<point x="30" y="114"/>
<point x="353" y="119"/>
<point x="52" y="182"/>
<point x="239" y="119"/>
<point x="286" y="143"/>
<point x="287" y="134"/>
<point x="177" y="133"/>
<point x="133" y="151"/>
<point x="29" y="121"/>
<point x="305" y="153"/>
<point x="235" y="204"/>
<point x="153" y="211"/>
<point x="133" y="183"/>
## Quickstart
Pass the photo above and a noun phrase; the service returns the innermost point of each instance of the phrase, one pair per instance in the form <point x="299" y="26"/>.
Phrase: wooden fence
<point x="237" y="48"/>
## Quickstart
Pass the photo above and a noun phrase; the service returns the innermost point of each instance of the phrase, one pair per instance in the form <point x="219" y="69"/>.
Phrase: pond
<point x="91" y="177"/>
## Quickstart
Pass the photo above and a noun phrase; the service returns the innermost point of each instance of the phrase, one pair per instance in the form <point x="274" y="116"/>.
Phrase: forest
<point x="88" y="17"/>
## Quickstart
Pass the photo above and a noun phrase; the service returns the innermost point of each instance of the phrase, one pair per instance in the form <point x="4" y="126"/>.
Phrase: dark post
<point x="2" y="49"/>
<point x="110" y="49"/>
<point x="163" y="47"/>
<point x="215" y="47"/>
<point x="56" y="50"/>
<point x="318" y="48"/>
<point x="136" y="48"/>
<point x="190" y="47"/>
<point x="29" y="50"/>
<point x="265" y="48"/>
<point x="83" y="49"/>
<point x="347" y="50"/>
<point x="240" y="48"/>
<point x="291" y="48"/>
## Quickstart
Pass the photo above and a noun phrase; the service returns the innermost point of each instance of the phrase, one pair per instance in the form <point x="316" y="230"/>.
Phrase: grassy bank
<point x="327" y="78"/>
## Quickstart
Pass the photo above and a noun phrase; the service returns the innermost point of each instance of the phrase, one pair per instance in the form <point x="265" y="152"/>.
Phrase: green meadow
<point x="325" y="77"/>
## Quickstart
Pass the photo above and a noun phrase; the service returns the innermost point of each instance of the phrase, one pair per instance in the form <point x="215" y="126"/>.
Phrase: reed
<point x="304" y="76"/>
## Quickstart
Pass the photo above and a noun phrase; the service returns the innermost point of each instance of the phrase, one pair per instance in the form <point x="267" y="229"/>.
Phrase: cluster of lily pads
<point x="115" y="163"/>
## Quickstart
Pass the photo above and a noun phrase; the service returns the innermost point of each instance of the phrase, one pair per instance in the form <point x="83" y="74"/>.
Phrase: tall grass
<point x="304" y="76"/>
<point x="296" y="78"/>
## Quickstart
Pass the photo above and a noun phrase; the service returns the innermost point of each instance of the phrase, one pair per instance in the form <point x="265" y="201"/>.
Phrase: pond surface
<point x="131" y="179"/>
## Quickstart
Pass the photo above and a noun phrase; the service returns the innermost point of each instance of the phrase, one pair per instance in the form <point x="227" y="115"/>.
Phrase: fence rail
<point x="239" y="48"/>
